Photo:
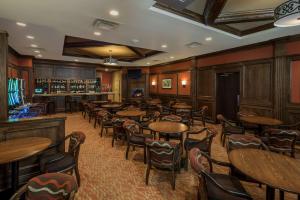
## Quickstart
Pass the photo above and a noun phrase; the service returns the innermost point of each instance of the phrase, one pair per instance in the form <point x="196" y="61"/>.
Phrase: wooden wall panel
<point x="3" y="75"/>
<point x="206" y="84"/>
<point x="257" y="84"/>
<point x="295" y="82"/>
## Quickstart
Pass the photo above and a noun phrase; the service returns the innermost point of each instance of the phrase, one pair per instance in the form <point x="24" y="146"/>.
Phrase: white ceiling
<point x="50" y="20"/>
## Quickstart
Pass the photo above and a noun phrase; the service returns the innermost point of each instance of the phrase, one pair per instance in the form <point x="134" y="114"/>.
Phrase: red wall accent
<point x="238" y="56"/>
<point x="292" y="48"/>
<point x="187" y="77"/>
<point x="173" y="90"/>
<point x="185" y="65"/>
<point x="295" y="82"/>
<point x="106" y="78"/>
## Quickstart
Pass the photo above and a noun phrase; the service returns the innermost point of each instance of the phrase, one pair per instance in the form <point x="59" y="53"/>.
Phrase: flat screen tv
<point x="134" y="73"/>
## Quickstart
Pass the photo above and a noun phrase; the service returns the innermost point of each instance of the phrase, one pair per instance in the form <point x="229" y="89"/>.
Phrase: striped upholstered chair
<point x="213" y="185"/>
<point x="135" y="137"/>
<point x="203" y="144"/>
<point x="67" y="161"/>
<point x="56" y="186"/>
<point x="281" y="141"/>
<point x="163" y="155"/>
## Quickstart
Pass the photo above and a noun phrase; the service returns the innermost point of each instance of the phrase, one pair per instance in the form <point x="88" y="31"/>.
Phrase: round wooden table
<point x="110" y="107"/>
<point x="261" y="121"/>
<point x="182" y="106"/>
<point x="14" y="150"/>
<point x="131" y="113"/>
<point x="168" y="127"/>
<point x="99" y="102"/>
<point x="275" y="170"/>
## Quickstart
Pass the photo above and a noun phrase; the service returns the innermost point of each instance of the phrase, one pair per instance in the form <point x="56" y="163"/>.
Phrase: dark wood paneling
<point x="206" y="84"/>
<point x="53" y="128"/>
<point x="257" y="84"/>
<point x="63" y="72"/>
<point x="3" y="75"/>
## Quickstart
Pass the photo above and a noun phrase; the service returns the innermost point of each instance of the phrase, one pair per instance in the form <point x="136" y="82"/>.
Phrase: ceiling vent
<point x="105" y="24"/>
<point x="193" y="45"/>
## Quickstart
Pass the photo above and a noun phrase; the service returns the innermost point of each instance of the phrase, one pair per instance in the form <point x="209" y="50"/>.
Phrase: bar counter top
<point x="72" y="94"/>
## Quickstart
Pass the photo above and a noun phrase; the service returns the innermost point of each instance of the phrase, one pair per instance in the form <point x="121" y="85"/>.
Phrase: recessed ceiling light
<point x="135" y="40"/>
<point x="97" y="33"/>
<point x="164" y="46"/>
<point x="34" y="45"/>
<point x="171" y="57"/>
<point x="21" y="24"/>
<point x="208" y="38"/>
<point x="37" y="51"/>
<point x="30" y="37"/>
<point x="148" y="63"/>
<point x="76" y="60"/>
<point x="39" y="55"/>
<point x="106" y="69"/>
<point x="114" y="13"/>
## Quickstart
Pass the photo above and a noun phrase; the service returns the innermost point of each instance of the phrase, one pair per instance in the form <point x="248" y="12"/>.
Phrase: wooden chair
<point x="295" y="126"/>
<point x="135" y="137"/>
<point x="48" y="186"/>
<point x="200" y="115"/>
<point x="282" y="141"/>
<point x="64" y="162"/>
<point x="203" y="144"/>
<point x="105" y="119"/>
<point x="118" y="130"/>
<point x="212" y="185"/>
<point x="163" y="155"/>
<point x="151" y="116"/>
<point x="228" y="128"/>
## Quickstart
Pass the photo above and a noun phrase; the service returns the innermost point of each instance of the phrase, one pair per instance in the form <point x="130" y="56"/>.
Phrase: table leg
<point x="15" y="175"/>
<point x="270" y="193"/>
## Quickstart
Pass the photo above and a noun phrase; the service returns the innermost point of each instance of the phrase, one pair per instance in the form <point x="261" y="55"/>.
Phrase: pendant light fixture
<point x="287" y="14"/>
<point x="110" y="60"/>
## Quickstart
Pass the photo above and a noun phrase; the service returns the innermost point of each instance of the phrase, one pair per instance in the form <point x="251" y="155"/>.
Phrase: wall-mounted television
<point x="134" y="73"/>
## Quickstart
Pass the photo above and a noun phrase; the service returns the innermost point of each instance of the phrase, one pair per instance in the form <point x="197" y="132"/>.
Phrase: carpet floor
<point x="106" y="174"/>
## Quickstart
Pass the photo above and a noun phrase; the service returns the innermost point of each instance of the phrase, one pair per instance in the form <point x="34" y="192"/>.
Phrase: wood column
<point x="280" y="76"/>
<point x="3" y="75"/>
<point x="194" y="84"/>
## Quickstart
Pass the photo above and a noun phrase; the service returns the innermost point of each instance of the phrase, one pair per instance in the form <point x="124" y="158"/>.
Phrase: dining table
<point x="168" y="127"/>
<point x="261" y="121"/>
<point x="275" y="170"/>
<point x="14" y="150"/>
<point x="111" y="106"/>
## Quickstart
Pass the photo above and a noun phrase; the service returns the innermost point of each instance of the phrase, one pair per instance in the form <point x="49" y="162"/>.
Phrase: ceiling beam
<point x="245" y="16"/>
<point x="212" y="10"/>
<point x="258" y="29"/>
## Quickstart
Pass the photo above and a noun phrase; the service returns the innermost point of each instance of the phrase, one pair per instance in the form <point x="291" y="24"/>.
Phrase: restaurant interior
<point x="150" y="99"/>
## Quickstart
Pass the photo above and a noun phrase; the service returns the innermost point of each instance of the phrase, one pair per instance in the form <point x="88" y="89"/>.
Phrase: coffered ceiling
<point x="140" y="24"/>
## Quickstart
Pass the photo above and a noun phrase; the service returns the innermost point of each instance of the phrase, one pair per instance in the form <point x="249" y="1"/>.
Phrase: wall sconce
<point x="183" y="83"/>
<point x="153" y="83"/>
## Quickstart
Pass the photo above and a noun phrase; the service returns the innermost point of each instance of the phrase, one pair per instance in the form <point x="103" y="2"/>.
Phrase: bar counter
<point x="58" y="100"/>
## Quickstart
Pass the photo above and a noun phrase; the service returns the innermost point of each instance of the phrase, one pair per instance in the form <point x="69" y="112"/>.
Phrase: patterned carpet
<point x="106" y="174"/>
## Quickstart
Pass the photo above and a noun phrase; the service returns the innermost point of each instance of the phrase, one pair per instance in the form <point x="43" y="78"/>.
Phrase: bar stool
<point x="70" y="104"/>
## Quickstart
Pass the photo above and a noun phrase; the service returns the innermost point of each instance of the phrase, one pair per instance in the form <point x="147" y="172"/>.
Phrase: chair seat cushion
<point x="57" y="162"/>
<point x="140" y="140"/>
<point x="229" y="183"/>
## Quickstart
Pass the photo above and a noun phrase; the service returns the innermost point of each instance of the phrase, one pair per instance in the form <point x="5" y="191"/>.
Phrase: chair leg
<point x="95" y="123"/>
<point x="147" y="173"/>
<point x="127" y="150"/>
<point x="173" y="178"/>
<point x="77" y="175"/>
<point x="113" y="140"/>
<point x="145" y="157"/>
<point x="281" y="195"/>
<point x="223" y="142"/>
<point x="186" y="166"/>
<point x="101" y="131"/>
